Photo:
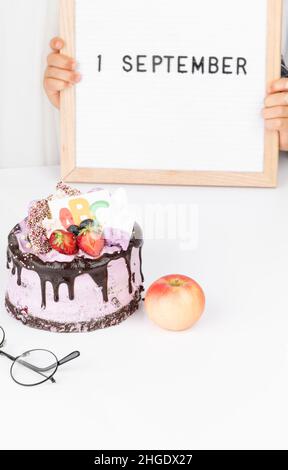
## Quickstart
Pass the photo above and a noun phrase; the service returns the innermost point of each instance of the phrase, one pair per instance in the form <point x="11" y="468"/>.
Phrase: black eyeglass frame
<point x="39" y="370"/>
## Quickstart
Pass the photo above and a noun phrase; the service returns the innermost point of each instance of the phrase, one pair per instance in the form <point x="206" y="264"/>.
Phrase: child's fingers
<point x="61" y="61"/>
<point x="275" y="112"/>
<point x="276" y="99"/>
<point x="278" y="85"/>
<point x="52" y="85"/>
<point x="64" y="75"/>
<point x="277" y="124"/>
<point x="57" y="44"/>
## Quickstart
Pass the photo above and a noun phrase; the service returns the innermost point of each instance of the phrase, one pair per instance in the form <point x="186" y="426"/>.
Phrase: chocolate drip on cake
<point x="58" y="273"/>
<point x="16" y="268"/>
<point x="100" y="277"/>
<point x="19" y="271"/>
<point x="140" y="259"/>
<point x="127" y="258"/>
<point x="9" y="259"/>
<point x="43" y="292"/>
<point x="56" y="282"/>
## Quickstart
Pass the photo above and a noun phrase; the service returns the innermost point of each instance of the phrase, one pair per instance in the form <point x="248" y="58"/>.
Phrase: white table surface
<point x="222" y="384"/>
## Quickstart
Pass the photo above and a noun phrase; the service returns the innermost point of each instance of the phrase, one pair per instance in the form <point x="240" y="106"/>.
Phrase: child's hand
<point x="60" y="73"/>
<point x="276" y="110"/>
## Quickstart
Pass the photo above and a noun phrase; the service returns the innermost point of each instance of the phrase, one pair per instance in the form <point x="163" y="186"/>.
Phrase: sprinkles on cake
<point x="38" y="212"/>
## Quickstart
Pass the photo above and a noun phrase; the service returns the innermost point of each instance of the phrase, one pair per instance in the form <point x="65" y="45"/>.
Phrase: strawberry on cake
<point x="72" y="272"/>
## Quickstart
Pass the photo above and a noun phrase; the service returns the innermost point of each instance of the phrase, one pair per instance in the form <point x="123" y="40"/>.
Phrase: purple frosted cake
<point x="56" y="282"/>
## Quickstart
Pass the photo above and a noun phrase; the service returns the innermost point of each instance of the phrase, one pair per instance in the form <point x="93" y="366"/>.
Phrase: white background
<point x="170" y="121"/>
<point x="222" y="384"/>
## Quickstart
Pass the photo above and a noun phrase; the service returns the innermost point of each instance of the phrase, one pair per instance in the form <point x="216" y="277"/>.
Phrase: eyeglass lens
<point x="34" y="367"/>
<point x="2" y="336"/>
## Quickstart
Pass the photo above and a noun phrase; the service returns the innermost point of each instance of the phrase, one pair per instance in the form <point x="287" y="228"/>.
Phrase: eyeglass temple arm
<point x="8" y="356"/>
<point x="62" y="361"/>
<point x="25" y="364"/>
<point x="69" y="358"/>
<point x="35" y="369"/>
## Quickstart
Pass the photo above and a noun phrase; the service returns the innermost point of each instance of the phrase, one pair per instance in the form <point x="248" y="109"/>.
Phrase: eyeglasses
<point x="36" y="366"/>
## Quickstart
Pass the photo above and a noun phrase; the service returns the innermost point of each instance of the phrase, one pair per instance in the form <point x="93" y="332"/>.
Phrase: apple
<point x="175" y="302"/>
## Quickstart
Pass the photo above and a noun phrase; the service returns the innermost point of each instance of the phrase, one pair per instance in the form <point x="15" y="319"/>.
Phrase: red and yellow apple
<point x="175" y="302"/>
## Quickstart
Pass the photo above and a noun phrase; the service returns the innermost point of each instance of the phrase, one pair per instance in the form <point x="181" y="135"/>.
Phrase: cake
<point x="77" y="279"/>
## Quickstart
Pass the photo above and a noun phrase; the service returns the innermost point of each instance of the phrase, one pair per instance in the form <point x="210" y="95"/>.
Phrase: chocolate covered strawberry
<point x="90" y="241"/>
<point x="64" y="242"/>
